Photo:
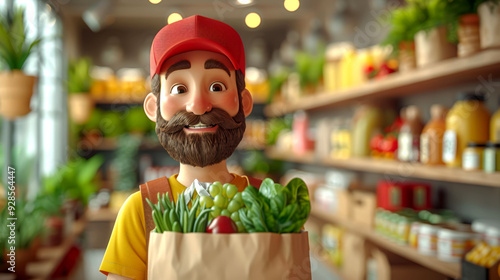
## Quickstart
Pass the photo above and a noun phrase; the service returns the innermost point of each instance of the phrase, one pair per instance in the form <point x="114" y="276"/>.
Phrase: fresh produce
<point x="169" y="216"/>
<point x="226" y="202"/>
<point x="274" y="208"/>
<point x="222" y="224"/>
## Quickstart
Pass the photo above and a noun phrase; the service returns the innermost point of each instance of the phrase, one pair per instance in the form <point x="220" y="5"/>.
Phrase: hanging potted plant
<point x="489" y="14"/>
<point x="16" y="88"/>
<point x="80" y="101"/>
<point x="432" y="43"/>
<point x="404" y="22"/>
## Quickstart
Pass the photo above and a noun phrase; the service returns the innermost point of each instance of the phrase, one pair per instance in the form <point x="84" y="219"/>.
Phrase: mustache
<point x="182" y="119"/>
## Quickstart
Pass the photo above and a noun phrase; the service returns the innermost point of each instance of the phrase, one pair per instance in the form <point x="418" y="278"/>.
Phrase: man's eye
<point x="178" y="89"/>
<point x="217" y="86"/>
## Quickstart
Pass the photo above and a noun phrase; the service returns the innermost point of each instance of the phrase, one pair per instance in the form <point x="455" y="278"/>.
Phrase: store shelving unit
<point x="396" y="168"/>
<point x="445" y="268"/>
<point x="476" y="68"/>
<point x="479" y="69"/>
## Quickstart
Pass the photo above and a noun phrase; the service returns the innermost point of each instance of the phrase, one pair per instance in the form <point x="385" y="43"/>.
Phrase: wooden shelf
<point x="396" y="168"/>
<point x="449" y="269"/>
<point x="120" y="100"/>
<point x="50" y="257"/>
<point x="476" y="68"/>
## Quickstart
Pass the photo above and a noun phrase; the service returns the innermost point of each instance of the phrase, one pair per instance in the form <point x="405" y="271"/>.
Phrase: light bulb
<point x="252" y="20"/>
<point x="291" y="5"/>
<point x="173" y="17"/>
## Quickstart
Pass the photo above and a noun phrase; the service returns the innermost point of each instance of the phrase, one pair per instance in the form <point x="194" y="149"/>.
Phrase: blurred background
<point x="388" y="109"/>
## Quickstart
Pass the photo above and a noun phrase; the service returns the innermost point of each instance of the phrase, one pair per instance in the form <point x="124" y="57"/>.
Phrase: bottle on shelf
<point x="367" y="120"/>
<point x="495" y="127"/>
<point x="467" y="121"/>
<point x="302" y="143"/>
<point x="409" y="135"/>
<point x="431" y="140"/>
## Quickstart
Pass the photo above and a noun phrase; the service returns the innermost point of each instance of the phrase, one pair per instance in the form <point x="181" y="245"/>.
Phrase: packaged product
<point x="431" y="140"/>
<point x="409" y="135"/>
<point x="467" y="121"/>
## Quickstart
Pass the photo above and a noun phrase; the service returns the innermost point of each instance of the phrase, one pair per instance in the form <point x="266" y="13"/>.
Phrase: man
<point x="199" y="103"/>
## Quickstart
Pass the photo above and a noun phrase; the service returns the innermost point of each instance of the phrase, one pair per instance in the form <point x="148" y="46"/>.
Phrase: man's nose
<point x="199" y="104"/>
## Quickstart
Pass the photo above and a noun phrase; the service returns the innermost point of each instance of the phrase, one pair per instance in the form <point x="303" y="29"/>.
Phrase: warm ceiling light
<point x="173" y="17"/>
<point x="244" y="2"/>
<point x="154" y="1"/>
<point x="252" y="20"/>
<point x="291" y="5"/>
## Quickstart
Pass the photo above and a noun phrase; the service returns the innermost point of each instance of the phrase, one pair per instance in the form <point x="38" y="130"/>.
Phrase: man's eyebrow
<point x="215" y="64"/>
<point x="183" y="64"/>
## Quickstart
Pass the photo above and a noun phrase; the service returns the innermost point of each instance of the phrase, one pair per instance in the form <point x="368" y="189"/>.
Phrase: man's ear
<point x="150" y="106"/>
<point x="247" y="102"/>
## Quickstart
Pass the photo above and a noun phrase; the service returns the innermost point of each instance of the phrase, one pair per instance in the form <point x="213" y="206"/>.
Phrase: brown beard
<point x="201" y="149"/>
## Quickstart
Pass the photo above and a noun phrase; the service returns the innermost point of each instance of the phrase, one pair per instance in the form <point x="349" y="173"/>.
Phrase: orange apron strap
<point x="150" y="190"/>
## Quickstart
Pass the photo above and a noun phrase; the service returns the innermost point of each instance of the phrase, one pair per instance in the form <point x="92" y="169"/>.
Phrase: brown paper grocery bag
<point x="260" y="256"/>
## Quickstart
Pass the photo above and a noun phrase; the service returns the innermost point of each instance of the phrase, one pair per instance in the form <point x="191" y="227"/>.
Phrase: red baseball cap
<point x="196" y="33"/>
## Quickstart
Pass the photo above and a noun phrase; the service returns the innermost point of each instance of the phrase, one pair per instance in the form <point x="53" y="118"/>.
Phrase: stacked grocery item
<point x="482" y="263"/>
<point x="464" y="137"/>
<point x="127" y="85"/>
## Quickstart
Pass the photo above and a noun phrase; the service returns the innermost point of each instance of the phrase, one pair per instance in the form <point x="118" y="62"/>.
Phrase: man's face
<point x="199" y="117"/>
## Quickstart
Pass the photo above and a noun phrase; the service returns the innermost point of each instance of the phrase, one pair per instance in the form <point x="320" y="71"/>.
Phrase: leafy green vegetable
<point x="275" y="208"/>
<point x="177" y="216"/>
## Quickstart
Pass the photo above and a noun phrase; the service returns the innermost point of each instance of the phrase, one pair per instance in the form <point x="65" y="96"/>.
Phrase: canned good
<point x="493" y="235"/>
<point x="413" y="235"/>
<point x="472" y="156"/>
<point x="454" y="244"/>
<point x="491" y="158"/>
<point x="403" y="229"/>
<point x="427" y="239"/>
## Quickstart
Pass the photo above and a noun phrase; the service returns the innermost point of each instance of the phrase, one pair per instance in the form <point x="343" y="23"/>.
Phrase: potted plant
<point x="123" y="169"/>
<point x="489" y="14"/>
<point x="29" y="227"/>
<point x="463" y="19"/>
<point x="16" y="88"/>
<point x="432" y="43"/>
<point x="404" y="23"/>
<point x="75" y="182"/>
<point x="80" y="101"/>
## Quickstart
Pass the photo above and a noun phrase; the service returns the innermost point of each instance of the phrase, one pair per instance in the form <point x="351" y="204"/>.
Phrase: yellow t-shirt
<point x="126" y="254"/>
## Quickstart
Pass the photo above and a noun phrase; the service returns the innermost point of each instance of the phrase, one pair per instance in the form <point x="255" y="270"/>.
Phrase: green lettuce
<point x="275" y="208"/>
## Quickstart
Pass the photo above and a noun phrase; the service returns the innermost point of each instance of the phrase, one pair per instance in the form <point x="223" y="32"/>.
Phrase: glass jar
<point x="491" y="157"/>
<point x="472" y="156"/>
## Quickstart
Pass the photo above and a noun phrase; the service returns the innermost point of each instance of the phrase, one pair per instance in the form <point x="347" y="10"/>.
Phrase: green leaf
<point x="15" y="48"/>
<point x="87" y="170"/>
